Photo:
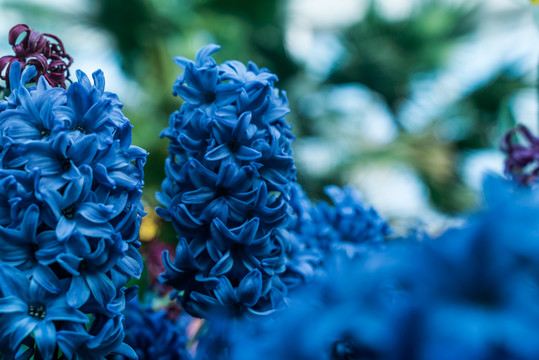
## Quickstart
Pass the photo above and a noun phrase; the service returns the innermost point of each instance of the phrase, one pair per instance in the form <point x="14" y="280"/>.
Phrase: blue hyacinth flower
<point x="228" y="182"/>
<point x="69" y="217"/>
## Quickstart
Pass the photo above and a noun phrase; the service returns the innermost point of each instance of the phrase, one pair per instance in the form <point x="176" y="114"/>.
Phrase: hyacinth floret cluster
<point x="69" y="218"/>
<point x="227" y="187"/>
<point x="317" y="231"/>
<point x="349" y="224"/>
<point x="45" y="52"/>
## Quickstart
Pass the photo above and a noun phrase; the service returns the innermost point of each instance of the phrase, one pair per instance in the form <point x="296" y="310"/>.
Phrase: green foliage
<point x="386" y="56"/>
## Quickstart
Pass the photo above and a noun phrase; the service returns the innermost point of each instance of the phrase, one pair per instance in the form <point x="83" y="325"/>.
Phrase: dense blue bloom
<point x="69" y="215"/>
<point x="27" y="250"/>
<point x="27" y="308"/>
<point x="469" y="294"/>
<point x="228" y="183"/>
<point x="153" y="335"/>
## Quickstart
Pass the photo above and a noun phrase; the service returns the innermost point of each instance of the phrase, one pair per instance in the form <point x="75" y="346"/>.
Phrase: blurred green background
<point x="407" y="100"/>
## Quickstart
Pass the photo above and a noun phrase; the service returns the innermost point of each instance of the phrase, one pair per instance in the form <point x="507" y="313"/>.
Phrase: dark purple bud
<point x="44" y="51"/>
<point x="522" y="161"/>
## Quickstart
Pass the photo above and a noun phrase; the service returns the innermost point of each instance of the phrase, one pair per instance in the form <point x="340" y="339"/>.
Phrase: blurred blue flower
<point x="304" y="258"/>
<point x="349" y="223"/>
<point x="153" y="335"/>
<point x="316" y="232"/>
<point x="469" y="294"/>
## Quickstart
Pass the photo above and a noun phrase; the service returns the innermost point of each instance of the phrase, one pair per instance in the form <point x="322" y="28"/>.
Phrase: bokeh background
<point x="406" y="100"/>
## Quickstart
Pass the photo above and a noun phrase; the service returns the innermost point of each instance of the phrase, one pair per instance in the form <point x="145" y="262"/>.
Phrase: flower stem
<point x="197" y="326"/>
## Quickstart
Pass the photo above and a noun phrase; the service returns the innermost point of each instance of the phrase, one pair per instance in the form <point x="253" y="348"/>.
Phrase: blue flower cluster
<point x="349" y="225"/>
<point x="70" y="213"/>
<point x="227" y="187"/>
<point x="472" y="294"/>
<point x="153" y="335"/>
<point x="315" y="232"/>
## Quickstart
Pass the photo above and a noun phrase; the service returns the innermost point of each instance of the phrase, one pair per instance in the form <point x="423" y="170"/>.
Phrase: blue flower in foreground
<point x="470" y="294"/>
<point x="69" y="217"/>
<point x="228" y="183"/>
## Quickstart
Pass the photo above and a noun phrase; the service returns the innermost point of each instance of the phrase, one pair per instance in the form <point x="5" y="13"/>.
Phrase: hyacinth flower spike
<point x="227" y="186"/>
<point x="70" y="215"/>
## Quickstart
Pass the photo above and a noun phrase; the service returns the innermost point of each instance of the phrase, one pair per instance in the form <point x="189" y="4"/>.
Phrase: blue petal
<point x="223" y="266"/>
<point x="45" y="335"/>
<point x="202" y="56"/>
<point x="218" y="153"/>
<point x="13" y="282"/>
<point x="65" y="228"/>
<point x="247" y="154"/>
<point x="45" y="277"/>
<point x="21" y="326"/>
<point x="78" y="292"/>
<point x="70" y="341"/>
<point x="224" y="292"/>
<point x="15" y="75"/>
<point x="200" y="196"/>
<point x="250" y="288"/>
<point x="59" y="310"/>
<point x="97" y="213"/>
<point x="12" y="304"/>
<point x="101" y="288"/>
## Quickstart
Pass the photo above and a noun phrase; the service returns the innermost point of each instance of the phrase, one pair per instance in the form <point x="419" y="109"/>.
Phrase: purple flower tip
<point x="44" y="51"/>
<point x="522" y="161"/>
